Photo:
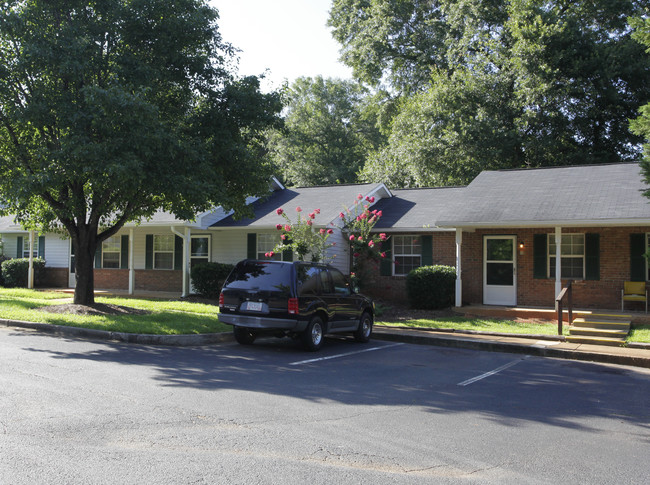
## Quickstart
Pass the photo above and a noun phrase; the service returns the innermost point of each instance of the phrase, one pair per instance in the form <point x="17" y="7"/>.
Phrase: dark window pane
<point x="499" y="274"/>
<point x="499" y="250"/>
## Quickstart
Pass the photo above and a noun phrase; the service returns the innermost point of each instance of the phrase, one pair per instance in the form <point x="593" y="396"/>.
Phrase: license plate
<point x="254" y="306"/>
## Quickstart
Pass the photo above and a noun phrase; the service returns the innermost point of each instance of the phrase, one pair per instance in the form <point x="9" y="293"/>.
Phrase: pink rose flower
<point x="360" y="238"/>
<point x="352" y="238"/>
<point x="341" y="215"/>
<point x="383" y="255"/>
<point x="271" y="253"/>
<point x="382" y="236"/>
<point x="309" y="223"/>
<point x="279" y="211"/>
<point x="379" y="213"/>
<point x="371" y="243"/>
<point x="359" y="197"/>
<point x="278" y="227"/>
<point x="372" y="199"/>
<point x="298" y="209"/>
<point x="312" y="215"/>
<point x="283" y="237"/>
<point x="322" y="231"/>
<point x="287" y="228"/>
<point x="317" y="211"/>
<point x="356" y="255"/>
<point x="330" y="231"/>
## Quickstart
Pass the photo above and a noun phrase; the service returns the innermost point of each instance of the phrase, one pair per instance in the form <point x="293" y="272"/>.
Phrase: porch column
<point x="131" y="268"/>
<point x="30" y="271"/>
<point x="187" y="246"/>
<point x="558" y="260"/>
<point x="459" y="282"/>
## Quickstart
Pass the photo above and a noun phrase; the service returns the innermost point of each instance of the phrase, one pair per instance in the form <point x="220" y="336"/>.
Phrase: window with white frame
<point x="163" y="251"/>
<point x="111" y="250"/>
<point x="572" y="256"/>
<point x="407" y="253"/>
<point x="26" y="247"/>
<point x="265" y="244"/>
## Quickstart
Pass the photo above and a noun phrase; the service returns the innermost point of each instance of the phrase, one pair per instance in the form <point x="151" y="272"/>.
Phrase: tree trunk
<point x="84" y="292"/>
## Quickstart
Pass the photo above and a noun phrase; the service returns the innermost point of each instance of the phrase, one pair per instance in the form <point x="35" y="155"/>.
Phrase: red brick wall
<point x="158" y="280"/>
<point x="393" y="288"/>
<point x="603" y="293"/>
<point x="112" y="279"/>
<point x="55" y="278"/>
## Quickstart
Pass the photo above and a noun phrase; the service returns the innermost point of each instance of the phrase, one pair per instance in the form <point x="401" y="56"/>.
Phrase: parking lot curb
<point x="132" y="338"/>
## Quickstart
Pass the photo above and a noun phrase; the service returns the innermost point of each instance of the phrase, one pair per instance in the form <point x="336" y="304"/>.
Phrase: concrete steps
<point x="600" y="329"/>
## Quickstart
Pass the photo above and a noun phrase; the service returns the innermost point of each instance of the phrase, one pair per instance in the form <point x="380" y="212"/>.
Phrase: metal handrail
<point x="568" y="292"/>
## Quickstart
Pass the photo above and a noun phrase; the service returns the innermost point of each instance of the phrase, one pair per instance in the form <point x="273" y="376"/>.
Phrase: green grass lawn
<point x="166" y="317"/>
<point x="173" y="317"/>
<point x="481" y="325"/>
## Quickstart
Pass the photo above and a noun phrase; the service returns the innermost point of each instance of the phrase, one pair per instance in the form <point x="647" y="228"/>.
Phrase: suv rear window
<point x="263" y="275"/>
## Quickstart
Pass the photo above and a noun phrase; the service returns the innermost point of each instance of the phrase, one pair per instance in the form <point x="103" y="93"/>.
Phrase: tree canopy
<point x="498" y="84"/>
<point x="641" y="124"/>
<point x="329" y="129"/>
<point x="113" y="109"/>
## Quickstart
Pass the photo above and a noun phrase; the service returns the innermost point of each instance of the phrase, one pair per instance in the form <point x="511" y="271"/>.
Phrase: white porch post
<point x="558" y="260"/>
<point x="459" y="282"/>
<point x="131" y="268"/>
<point x="187" y="243"/>
<point x="30" y="273"/>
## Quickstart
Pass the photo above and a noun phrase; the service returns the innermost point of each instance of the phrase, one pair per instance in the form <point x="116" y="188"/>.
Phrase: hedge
<point x="15" y="272"/>
<point x="208" y="278"/>
<point x="431" y="287"/>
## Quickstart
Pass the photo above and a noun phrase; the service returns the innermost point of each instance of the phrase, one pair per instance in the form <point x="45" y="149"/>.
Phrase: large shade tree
<point x="113" y="109"/>
<point x="330" y="125"/>
<point x="641" y="124"/>
<point x="497" y="84"/>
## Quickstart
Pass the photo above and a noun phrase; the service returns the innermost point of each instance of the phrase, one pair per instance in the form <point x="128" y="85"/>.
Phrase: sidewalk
<point x="637" y="355"/>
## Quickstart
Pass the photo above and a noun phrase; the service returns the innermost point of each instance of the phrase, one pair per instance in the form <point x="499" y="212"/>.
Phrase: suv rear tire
<point x="244" y="336"/>
<point x="312" y="337"/>
<point x="362" y="334"/>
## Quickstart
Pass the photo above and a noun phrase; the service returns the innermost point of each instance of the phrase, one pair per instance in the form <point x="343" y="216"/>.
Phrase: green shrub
<point x="431" y="287"/>
<point x="208" y="278"/>
<point x="14" y="272"/>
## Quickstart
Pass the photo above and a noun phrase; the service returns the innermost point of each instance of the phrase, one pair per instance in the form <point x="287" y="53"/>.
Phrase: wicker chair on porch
<point x="634" y="291"/>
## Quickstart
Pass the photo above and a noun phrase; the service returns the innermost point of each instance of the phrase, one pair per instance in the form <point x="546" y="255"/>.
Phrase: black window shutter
<point x="251" y="250"/>
<point x="427" y="250"/>
<point x="637" y="261"/>
<point x="386" y="264"/>
<point x="592" y="256"/>
<point x="124" y="250"/>
<point x="148" y="251"/>
<point x="178" y="252"/>
<point x="41" y="247"/>
<point x="539" y="256"/>
<point x="19" y="247"/>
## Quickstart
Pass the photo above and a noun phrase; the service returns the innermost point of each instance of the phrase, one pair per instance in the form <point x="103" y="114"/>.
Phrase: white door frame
<point x="500" y="294"/>
<point x="72" y="277"/>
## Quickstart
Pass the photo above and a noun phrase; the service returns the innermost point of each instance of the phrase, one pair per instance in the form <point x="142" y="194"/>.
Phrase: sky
<point x="288" y="37"/>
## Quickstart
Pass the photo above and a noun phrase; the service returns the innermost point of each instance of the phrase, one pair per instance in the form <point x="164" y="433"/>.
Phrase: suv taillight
<point x="293" y="306"/>
<point x="221" y="300"/>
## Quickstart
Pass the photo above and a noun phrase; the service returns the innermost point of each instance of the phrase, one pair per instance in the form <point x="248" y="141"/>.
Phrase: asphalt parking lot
<point x="79" y="411"/>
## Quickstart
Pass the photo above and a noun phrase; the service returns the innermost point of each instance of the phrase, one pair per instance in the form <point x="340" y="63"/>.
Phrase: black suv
<point x="300" y="300"/>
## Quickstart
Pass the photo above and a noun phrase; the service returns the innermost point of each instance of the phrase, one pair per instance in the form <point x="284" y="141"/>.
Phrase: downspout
<point x="131" y="268"/>
<point x="186" y="247"/>
<point x="459" y="282"/>
<point x="30" y="273"/>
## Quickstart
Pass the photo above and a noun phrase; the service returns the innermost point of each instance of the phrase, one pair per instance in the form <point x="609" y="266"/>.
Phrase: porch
<point x="545" y="313"/>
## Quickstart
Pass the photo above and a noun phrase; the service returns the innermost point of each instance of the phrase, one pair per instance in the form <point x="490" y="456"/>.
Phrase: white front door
<point x="499" y="270"/>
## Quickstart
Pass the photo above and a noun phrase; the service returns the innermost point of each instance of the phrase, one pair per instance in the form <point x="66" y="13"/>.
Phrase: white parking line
<point x="344" y="355"/>
<point x="492" y="372"/>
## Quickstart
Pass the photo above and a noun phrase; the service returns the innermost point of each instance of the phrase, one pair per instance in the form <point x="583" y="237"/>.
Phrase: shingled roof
<point x="331" y="200"/>
<point x="588" y="195"/>
<point x="415" y="209"/>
